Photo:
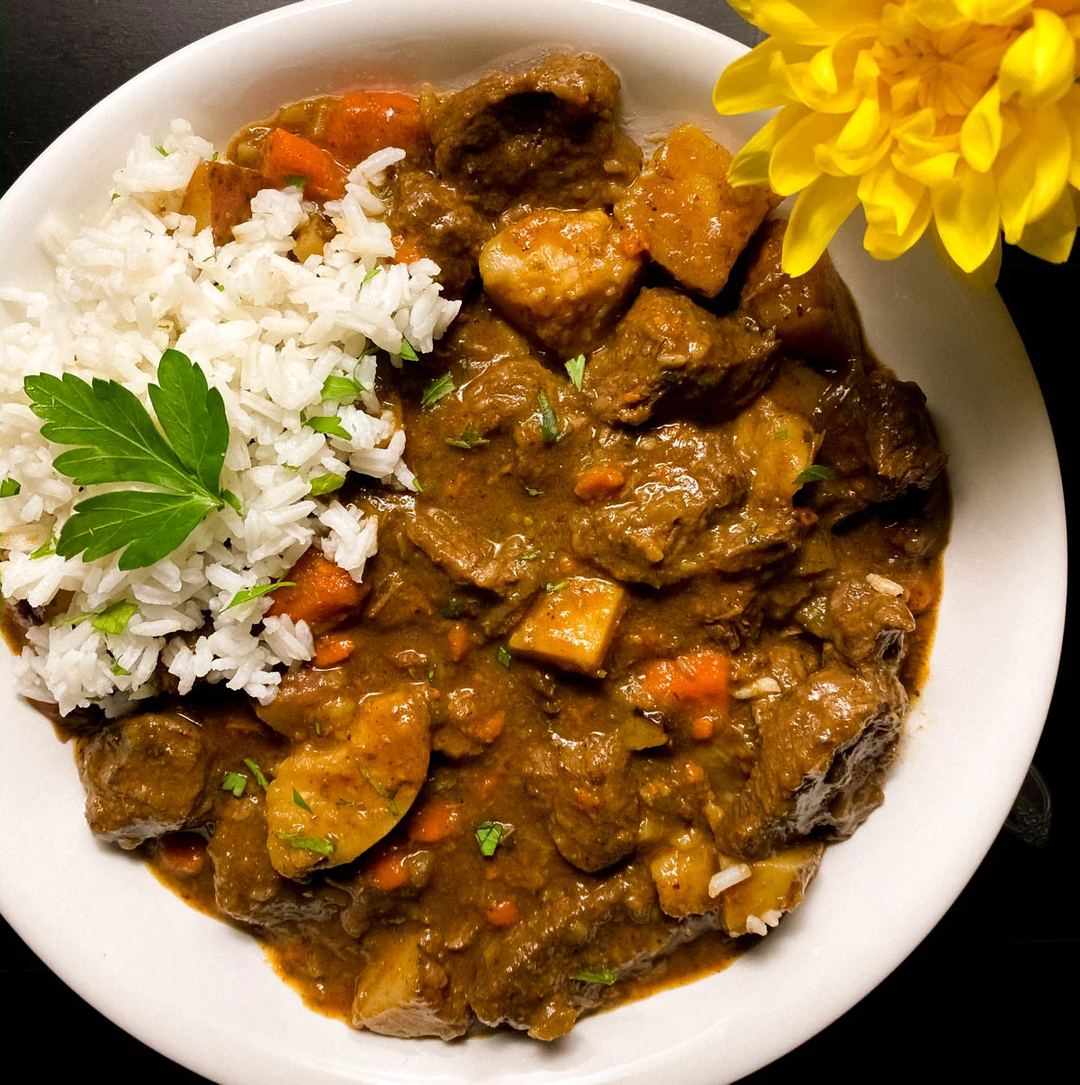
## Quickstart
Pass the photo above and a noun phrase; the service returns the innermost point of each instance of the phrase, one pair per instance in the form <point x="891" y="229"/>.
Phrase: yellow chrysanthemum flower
<point x="960" y="113"/>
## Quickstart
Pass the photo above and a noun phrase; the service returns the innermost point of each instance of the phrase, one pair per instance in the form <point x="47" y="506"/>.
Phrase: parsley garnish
<point x="300" y="800"/>
<point x="343" y="389"/>
<point x="308" y="843"/>
<point x="161" y="151"/>
<point x="606" y="976"/>
<point x="436" y="390"/>
<point x="120" y="672"/>
<point x="294" y="180"/>
<point x="533" y="493"/>
<point x="780" y="435"/>
<point x="326" y="484"/>
<point x="555" y="587"/>
<point x="116" y="441"/>
<point x="450" y="609"/>
<point x="234" y="782"/>
<point x="114" y="196"/>
<point x="264" y="783"/>
<point x="527" y="556"/>
<point x="408" y="351"/>
<point x="549" y="424"/>
<point x="575" y="368"/>
<point x="10" y="487"/>
<point x="816" y="472"/>
<point x="245" y="595"/>
<point x="112" y="620"/>
<point x="220" y="287"/>
<point x="367" y="278"/>
<point x="382" y="791"/>
<point x="417" y="485"/>
<point x="503" y="656"/>
<point x="46" y="548"/>
<point x="488" y="834"/>
<point x="330" y="425"/>
<point x="469" y="438"/>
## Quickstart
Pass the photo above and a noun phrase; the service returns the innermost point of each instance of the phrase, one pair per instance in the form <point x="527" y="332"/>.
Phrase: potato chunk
<point x="681" y="869"/>
<point x="353" y="791"/>
<point x="776" y="885"/>
<point x="692" y="221"/>
<point x="776" y="445"/>
<point x="219" y="195"/>
<point x="404" y="992"/>
<point x="561" y="276"/>
<point x="573" y="627"/>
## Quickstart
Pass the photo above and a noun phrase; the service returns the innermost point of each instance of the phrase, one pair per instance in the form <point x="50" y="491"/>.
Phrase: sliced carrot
<point x="596" y="483"/>
<point x="489" y="729"/>
<point x="332" y="648"/>
<point x="503" y="913"/>
<point x="702" y="728"/>
<point x="459" y="641"/>
<point x="182" y="853"/>
<point x="920" y="587"/>
<point x="363" y="123"/>
<point x="322" y="591"/>
<point x="288" y="156"/>
<point x="632" y="242"/>
<point x="387" y="871"/>
<point x="698" y="678"/>
<point x="694" y="772"/>
<point x="434" y="822"/>
<point x="406" y="251"/>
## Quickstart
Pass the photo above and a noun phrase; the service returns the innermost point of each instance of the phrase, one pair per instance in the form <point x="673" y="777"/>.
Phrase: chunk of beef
<point x="145" y="775"/>
<point x="814" y="315"/>
<point x="694" y="224"/>
<point x="593" y="804"/>
<point x="546" y="136"/>
<point x="656" y="530"/>
<point x="219" y="195"/>
<point x="561" y="276"/>
<point x="866" y="626"/>
<point x="879" y="440"/>
<point x="669" y="351"/>
<point x="428" y="217"/>
<point x="824" y="748"/>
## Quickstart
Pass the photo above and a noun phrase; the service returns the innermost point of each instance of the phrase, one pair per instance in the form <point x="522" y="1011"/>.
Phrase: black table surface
<point x="990" y="989"/>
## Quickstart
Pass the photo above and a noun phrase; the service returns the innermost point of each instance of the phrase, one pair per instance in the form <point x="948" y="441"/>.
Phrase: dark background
<point x="990" y="989"/>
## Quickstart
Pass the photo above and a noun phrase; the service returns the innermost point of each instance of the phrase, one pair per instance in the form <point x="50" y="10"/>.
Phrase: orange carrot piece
<point x="182" y="853"/>
<point x="388" y="871"/>
<point x="459" y="641"/>
<point x="488" y="730"/>
<point x="287" y="155"/>
<point x="406" y="251"/>
<point x="433" y="822"/>
<point x="920" y="587"/>
<point x="698" y="678"/>
<point x="323" y="591"/>
<point x="332" y="648"/>
<point x="694" y="772"/>
<point x="363" y="123"/>
<point x="603" y="480"/>
<point x="501" y="914"/>
<point x="702" y="728"/>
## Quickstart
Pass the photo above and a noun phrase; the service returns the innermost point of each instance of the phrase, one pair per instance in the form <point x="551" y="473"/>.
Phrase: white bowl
<point x="203" y="993"/>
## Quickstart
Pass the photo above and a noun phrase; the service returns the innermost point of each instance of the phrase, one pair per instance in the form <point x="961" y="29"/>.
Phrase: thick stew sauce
<point x="642" y="640"/>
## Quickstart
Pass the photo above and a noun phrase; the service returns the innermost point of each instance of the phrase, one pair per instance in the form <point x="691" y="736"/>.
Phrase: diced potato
<point x="692" y="221"/>
<point x="403" y="992"/>
<point x="776" y="445"/>
<point x="351" y="793"/>
<point x="219" y="195"/>
<point x="573" y="627"/>
<point x="312" y="236"/>
<point x="776" y="885"/>
<point x="561" y="276"/>
<point x="681" y="869"/>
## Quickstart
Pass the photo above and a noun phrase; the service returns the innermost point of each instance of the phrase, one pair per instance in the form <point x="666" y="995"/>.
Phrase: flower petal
<point x="939" y="14"/>
<point x="1039" y="65"/>
<point x="1051" y="237"/>
<point x="817" y="215"/>
<point x="812" y="22"/>
<point x="1033" y="170"/>
<point x="751" y="83"/>
<point x="1070" y="114"/>
<point x="983" y="277"/>
<point x="751" y="165"/>
<point x="980" y="134"/>
<point x="994" y="12"/>
<point x="886" y="244"/>
<point x="890" y="199"/>
<point x="967" y="216"/>
<point x="793" y="165"/>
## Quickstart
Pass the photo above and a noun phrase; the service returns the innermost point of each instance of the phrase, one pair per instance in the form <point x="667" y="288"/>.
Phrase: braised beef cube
<point x="404" y="991"/>
<point x="866" y="623"/>
<point x="657" y="529"/>
<point x="669" y="351"/>
<point x="813" y="315"/>
<point x="693" y="223"/>
<point x="146" y="775"/>
<point x="593" y="804"/>
<point x="824" y="748"/>
<point x="546" y="136"/>
<point x="561" y="276"/>
<point x="879" y="441"/>
<point x="219" y="195"/>
<point x="428" y="218"/>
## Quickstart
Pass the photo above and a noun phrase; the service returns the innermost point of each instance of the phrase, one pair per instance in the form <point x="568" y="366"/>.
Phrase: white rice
<point x="267" y="332"/>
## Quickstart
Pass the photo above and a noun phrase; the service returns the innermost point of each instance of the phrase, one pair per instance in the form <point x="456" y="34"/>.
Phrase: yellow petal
<point x="938" y="14"/>
<point x="890" y="199"/>
<point x="992" y="11"/>
<point x="1039" y="65"/>
<point x="860" y="144"/>
<point x="1051" y="237"/>
<point x="817" y="215"/>
<point x="793" y="165"/>
<point x="932" y="171"/>
<point x="886" y="244"/>
<point x="967" y="216"/>
<point x="1033" y="170"/>
<point x="812" y="22"/>
<point x="750" y="83"/>
<point x="1069" y="107"/>
<point x="983" y="277"/>
<point x="980" y="134"/>
<point x="751" y="165"/>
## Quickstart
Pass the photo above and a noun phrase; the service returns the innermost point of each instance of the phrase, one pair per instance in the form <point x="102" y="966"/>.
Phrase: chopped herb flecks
<point x="575" y="369"/>
<point x="549" y="424"/>
<point x="234" y="782"/>
<point x="308" y="843"/>
<point x="503" y="656"/>
<point x="606" y="976"/>
<point x="263" y="782"/>
<point x="326" y="484"/>
<point x="469" y="438"/>
<point x="300" y="800"/>
<point x="816" y="472"/>
<point x="488" y="835"/>
<point x="436" y="390"/>
<point x="245" y="595"/>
